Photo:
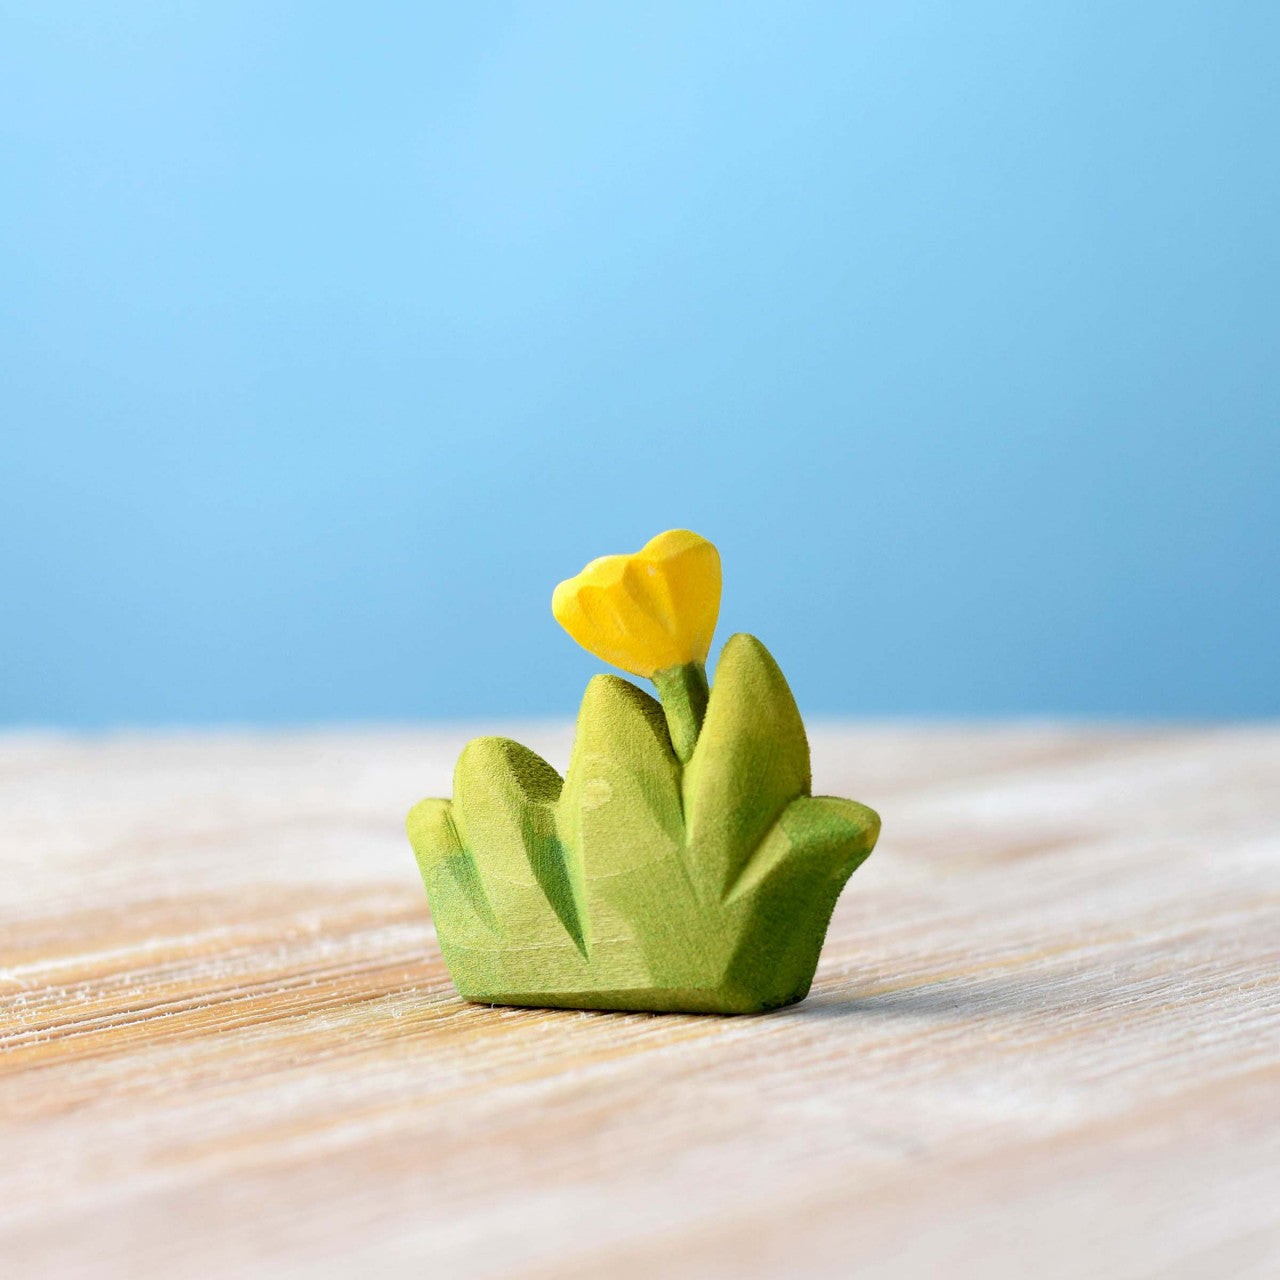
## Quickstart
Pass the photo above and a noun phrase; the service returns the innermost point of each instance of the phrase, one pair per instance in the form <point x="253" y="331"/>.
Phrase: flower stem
<point x="684" y="693"/>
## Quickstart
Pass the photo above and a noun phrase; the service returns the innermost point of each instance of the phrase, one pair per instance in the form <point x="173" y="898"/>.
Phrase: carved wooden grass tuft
<point x="636" y="882"/>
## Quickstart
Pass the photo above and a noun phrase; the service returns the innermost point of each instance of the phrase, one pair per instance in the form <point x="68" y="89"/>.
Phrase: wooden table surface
<point x="1044" y="1038"/>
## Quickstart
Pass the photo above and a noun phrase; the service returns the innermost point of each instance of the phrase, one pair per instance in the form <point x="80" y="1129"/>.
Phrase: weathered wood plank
<point x="1044" y="1036"/>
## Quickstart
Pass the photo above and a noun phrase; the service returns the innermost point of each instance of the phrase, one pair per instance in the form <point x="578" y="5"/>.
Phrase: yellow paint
<point x="646" y="612"/>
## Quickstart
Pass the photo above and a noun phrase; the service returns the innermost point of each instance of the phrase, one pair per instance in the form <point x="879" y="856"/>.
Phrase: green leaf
<point x="503" y="810"/>
<point x="449" y="873"/>
<point x="621" y="811"/>
<point x="751" y="761"/>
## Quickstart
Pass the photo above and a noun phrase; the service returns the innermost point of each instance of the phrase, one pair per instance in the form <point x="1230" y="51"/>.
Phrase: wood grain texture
<point x="1044" y="1036"/>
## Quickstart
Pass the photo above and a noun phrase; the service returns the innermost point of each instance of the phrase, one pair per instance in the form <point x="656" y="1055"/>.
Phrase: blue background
<point x="332" y="336"/>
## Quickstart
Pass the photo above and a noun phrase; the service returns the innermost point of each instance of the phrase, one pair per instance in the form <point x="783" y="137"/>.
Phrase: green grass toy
<point x="681" y="865"/>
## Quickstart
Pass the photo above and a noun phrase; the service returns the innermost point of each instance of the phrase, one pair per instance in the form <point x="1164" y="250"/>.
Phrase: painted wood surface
<point x="1043" y="1039"/>
<point x="644" y="881"/>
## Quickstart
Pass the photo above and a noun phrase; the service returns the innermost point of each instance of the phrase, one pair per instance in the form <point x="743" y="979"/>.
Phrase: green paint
<point x="683" y="691"/>
<point x="700" y="880"/>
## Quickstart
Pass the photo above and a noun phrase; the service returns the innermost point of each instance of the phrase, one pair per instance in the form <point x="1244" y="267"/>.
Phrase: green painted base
<point x="637" y="882"/>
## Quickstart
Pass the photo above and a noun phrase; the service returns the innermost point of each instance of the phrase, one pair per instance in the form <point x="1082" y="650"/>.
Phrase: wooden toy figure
<point x="681" y="864"/>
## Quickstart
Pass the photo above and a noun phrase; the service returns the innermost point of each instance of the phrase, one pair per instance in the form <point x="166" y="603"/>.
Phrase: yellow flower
<point x="647" y="612"/>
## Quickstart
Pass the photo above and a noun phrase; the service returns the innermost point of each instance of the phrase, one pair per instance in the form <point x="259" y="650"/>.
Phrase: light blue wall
<point x="332" y="336"/>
